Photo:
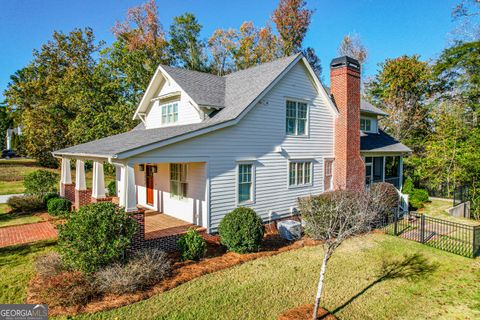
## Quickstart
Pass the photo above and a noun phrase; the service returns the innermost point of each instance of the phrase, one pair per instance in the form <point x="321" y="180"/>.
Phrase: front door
<point x="149" y="172"/>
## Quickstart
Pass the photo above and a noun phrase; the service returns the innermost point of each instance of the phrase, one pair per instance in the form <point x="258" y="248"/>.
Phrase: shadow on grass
<point x="11" y="255"/>
<point x="411" y="267"/>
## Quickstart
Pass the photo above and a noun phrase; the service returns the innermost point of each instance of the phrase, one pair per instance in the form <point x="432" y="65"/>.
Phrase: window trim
<point x="166" y="105"/>
<point x="237" y="183"/>
<point x="307" y="123"/>
<point x="178" y="196"/>
<point x="304" y="185"/>
<point x="332" y="161"/>
<point x="371" y="121"/>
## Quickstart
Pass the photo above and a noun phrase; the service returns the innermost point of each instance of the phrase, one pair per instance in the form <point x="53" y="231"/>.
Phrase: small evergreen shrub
<point x="49" y="265"/>
<point x="145" y="269"/>
<point x="418" y="198"/>
<point x="112" y="189"/>
<point x="41" y="182"/>
<point x="408" y="186"/>
<point x="48" y="196"/>
<point x="25" y="204"/>
<point x="95" y="236"/>
<point x="241" y="230"/>
<point x="192" y="245"/>
<point x="58" y="206"/>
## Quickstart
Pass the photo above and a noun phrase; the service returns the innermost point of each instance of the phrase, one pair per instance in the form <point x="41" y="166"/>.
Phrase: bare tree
<point x="466" y="14"/>
<point x="352" y="46"/>
<point x="333" y="217"/>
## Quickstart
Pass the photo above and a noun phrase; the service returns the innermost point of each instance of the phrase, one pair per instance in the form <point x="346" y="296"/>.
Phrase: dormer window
<point x="366" y="125"/>
<point x="170" y="113"/>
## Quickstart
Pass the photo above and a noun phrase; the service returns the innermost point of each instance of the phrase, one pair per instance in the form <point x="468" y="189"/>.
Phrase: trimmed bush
<point x="418" y="198"/>
<point x="95" y="236"/>
<point x="25" y="204"/>
<point x="41" y="182"/>
<point x="145" y="269"/>
<point x="408" y="186"/>
<point x="58" y="206"/>
<point x="241" y="230"/>
<point x="112" y="189"/>
<point x="384" y="198"/>
<point x="50" y="195"/>
<point x="192" y="245"/>
<point x="49" y="265"/>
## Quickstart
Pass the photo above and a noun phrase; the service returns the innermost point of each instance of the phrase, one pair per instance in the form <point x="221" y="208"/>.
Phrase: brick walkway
<point x="26" y="233"/>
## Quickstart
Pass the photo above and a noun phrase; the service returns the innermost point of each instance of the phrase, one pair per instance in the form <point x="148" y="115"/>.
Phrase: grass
<point x="355" y="288"/>
<point x="7" y="219"/>
<point x="437" y="209"/>
<point x="13" y="171"/>
<point x="16" y="269"/>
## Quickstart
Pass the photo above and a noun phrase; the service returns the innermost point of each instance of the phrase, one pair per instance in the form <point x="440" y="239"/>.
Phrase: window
<point x="366" y="125"/>
<point x="178" y="179"/>
<point x="245" y="182"/>
<point x="170" y="113"/>
<point x="328" y="175"/>
<point x="297" y="114"/>
<point x="300" y="173"/>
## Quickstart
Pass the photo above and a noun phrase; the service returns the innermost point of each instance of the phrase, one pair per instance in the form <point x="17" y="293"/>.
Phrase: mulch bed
<point x="217" y="259"/>
<point x="305" y="313"/>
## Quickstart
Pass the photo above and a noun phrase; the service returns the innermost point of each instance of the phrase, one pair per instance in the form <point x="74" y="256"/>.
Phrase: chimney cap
<point x="345" y="61"/>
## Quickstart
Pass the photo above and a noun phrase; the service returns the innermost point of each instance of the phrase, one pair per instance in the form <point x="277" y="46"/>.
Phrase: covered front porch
<point x="172" y="196"/>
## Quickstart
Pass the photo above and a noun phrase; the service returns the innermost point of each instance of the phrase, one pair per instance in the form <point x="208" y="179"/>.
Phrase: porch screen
<point x="178" y="179"/>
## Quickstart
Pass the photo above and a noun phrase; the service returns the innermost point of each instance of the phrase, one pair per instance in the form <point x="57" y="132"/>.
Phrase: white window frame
<point x="325" y="161"/>
<point x="167" y="117"/>
<point x="237" y="183"/>
<point x="296" y="162"/>
<point x="180" y="182"/>
<point x="307" y="120"/>
<point x="365" y="120"/>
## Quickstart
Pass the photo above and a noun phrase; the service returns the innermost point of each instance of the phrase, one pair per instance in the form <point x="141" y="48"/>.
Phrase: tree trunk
<point x="320" y="284"/>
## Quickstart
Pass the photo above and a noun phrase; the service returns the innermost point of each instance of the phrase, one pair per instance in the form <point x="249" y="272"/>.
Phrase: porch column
<point x="98" y="183"/>
<point x="129" y="191"/>
<point x="80" y="183"/>
<point x="120" y="181"/>
<point x="400" y="176"/>
<point x="65" y="175"/>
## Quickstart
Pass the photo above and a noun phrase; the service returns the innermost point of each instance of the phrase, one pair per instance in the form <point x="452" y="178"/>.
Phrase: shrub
<point x="66" y="289"/>
<point x="40" y="182"/>
<point x="418" y="198"/>
<point x="25" y="204"/>
<point x="241" y="230"/>
<point x="95" y="236"/>
<point x="192" y="245"/>
<point x="49" y="265"/>
<point x="408" y="186"/>
<point x="112" y="189"/>
<point x="384" y="198"/>
<point x="48" y="196"/>
<point x="58" y="206"/>
<point x="145" y="269"/>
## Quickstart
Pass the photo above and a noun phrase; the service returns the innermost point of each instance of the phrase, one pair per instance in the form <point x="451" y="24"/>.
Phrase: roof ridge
<point x="263" y="64"/>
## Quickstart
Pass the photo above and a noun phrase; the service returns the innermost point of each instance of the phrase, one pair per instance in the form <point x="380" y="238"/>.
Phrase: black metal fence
<point x="461" y="194"/>
<point x="458" y="238"/>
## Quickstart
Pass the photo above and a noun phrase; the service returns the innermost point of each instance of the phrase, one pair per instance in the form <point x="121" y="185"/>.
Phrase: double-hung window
<point x="245" y="182"/>
<point x="170" y="113"/>
<point x="178" y="179"/>
<point x="328" y="175"/>
<point x="300" y="173"/>
<point x="297" y="118"/>
<point x="365" y="125"/>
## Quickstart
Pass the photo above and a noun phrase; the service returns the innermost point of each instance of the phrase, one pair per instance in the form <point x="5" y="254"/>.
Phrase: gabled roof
<point x="381" y="142"/>
<point x="242" y="90"/>
<point x="367" y="107"/>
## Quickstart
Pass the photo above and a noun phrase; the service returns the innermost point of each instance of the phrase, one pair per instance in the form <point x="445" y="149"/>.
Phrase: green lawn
<point x="13" y="171"/>
<point x="264" y="288"/>
<point x="16" y="269"/>
<point x="7" y="219"/>
<point x="437" y="208"/>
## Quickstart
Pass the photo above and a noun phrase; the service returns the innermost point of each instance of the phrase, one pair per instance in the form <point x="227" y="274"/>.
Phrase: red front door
<point x="149" y="172"/>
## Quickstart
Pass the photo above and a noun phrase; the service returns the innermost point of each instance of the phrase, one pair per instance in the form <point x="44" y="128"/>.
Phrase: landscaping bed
<point x="217" y="259"/>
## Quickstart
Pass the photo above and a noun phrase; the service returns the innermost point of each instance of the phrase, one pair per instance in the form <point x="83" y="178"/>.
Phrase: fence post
<point x="395" y="219"/>
<point x="474" y="241"/>
<point x="422" y="228"/>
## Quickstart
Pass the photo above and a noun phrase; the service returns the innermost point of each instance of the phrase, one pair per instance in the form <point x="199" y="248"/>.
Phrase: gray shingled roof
<point x="381" y="142"/>
<point x="241" y="89"/>
<point x="366" y="106"/>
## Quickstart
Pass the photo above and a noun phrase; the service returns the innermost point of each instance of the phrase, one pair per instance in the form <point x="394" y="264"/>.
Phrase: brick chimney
<point x="349" y="168"/>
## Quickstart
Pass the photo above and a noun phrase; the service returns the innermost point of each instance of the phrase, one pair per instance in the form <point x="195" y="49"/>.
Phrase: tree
<point x="222" y="45"/>
<point x="401" y="88"/>
<point x="314" y="61"/>
<point x="292" y="20"/>
<point x="186" y="46"/>
<point x="467" y="14"/>
<point x="5" y="123"/>
<point x="332" y="218"/>
<point x="352" y="46"/>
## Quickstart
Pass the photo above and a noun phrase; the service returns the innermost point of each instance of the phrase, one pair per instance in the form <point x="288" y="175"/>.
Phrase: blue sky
<point x="387" y="28"/>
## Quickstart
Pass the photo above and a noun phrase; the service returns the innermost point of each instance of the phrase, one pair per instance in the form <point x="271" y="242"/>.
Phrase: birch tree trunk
<point x="320" y="284"/>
